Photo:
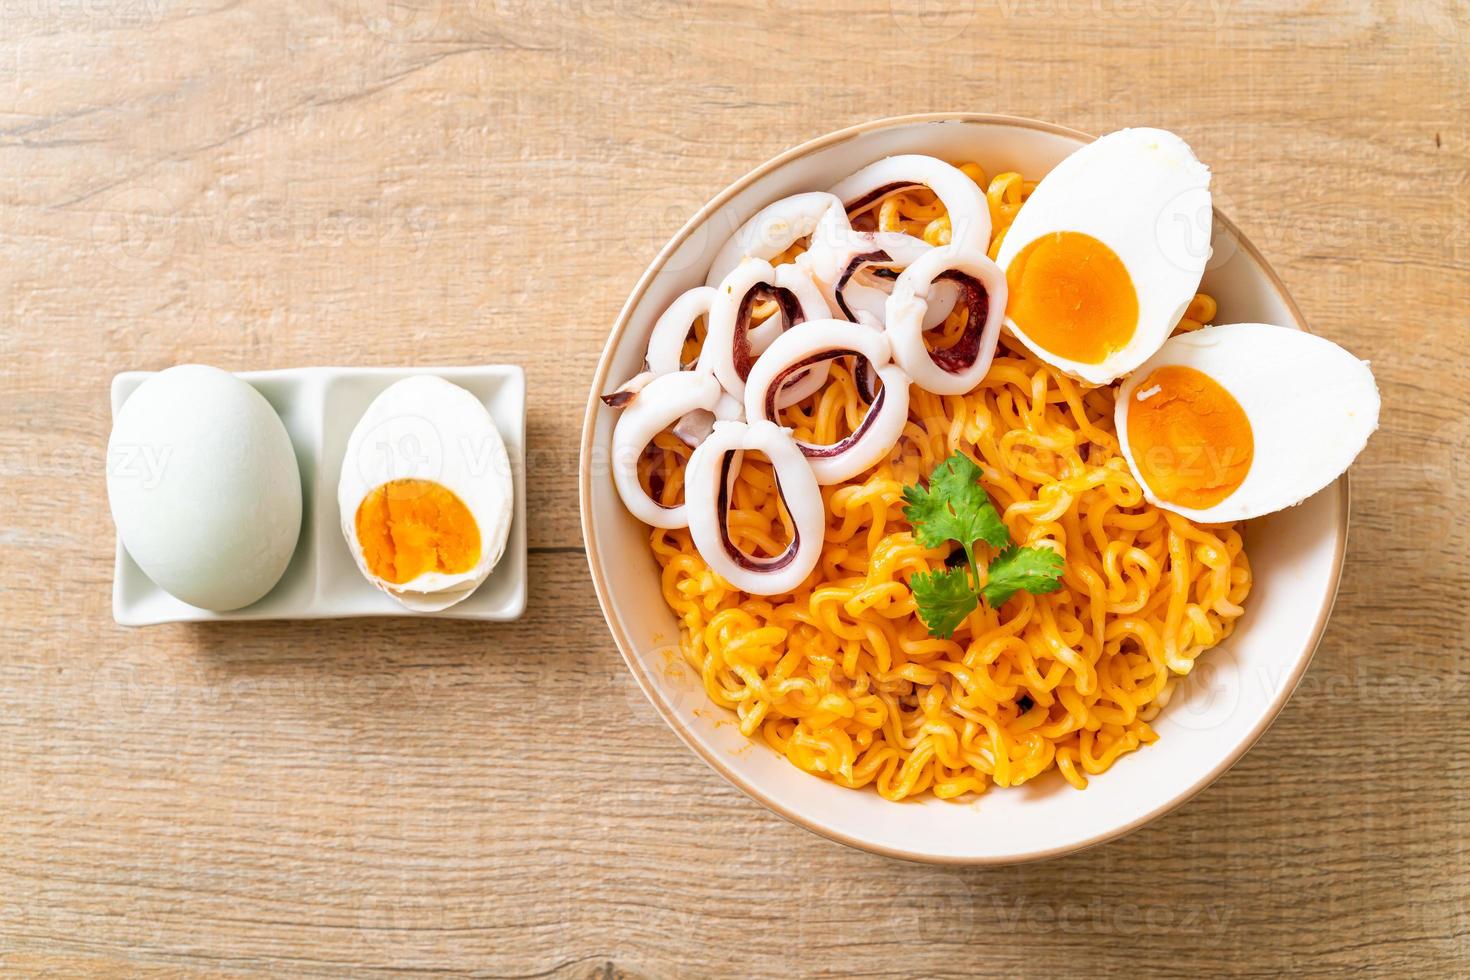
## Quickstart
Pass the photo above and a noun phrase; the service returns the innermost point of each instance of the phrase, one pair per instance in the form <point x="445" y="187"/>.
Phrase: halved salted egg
<point x="1107" y="252"/>
<point x="426" y="494"/>
<point x="1232" y="422"/>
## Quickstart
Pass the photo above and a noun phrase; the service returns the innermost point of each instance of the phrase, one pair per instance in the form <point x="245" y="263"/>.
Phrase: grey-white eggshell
<point x="204" y="487"/>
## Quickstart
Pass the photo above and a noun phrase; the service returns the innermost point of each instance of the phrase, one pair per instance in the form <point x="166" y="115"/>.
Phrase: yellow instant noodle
<point x="843" y="678"/>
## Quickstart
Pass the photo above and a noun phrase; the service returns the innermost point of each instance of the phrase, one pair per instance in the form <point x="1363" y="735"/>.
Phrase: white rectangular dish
<point x="320" y="406"/>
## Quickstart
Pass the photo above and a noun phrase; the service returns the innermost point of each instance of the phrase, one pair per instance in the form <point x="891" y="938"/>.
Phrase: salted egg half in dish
<point x="1107" y="252"/>
<point x="1231" y="422"/>
<point x="426" y="493"/>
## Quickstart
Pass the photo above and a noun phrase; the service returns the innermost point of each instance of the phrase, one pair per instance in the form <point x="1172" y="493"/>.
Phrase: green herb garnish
<point x="1034" y="570"/>
<point x="955" y="507"/>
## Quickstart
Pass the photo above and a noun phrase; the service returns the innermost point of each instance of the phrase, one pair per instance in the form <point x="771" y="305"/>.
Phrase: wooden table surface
<point x="370" y="182"/>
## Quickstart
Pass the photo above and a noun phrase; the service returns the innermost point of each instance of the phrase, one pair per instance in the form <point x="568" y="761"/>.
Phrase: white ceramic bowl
<point x="1227" y="703"/>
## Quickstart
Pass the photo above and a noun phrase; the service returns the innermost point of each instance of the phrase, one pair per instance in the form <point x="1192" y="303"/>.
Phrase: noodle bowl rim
<point x="648" y="684"/>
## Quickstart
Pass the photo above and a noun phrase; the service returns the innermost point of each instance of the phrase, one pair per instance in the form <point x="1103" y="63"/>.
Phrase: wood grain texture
<point x="258" y="185"/>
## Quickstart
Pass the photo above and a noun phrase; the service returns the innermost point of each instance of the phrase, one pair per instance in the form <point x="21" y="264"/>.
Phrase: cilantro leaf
<point x="945" y="597"/>
<point x="1035" y="570"/>
<point x="954" y="507"/>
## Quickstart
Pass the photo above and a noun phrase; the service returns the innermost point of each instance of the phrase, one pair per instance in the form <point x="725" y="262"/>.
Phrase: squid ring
<point x="961" y="367"/>
<point x="662" y="402"/>
<point x="696" y="426"/>
<point x="709" y="480"/>
<point x="730" y="346"/>
<point x="666" y="345"/>
<point x="776" y="227"/>
<point x="820" y="341"/>
<point x="885" y="254"/>
<point x="969" y="215"/>
<point x="624" y="393"/>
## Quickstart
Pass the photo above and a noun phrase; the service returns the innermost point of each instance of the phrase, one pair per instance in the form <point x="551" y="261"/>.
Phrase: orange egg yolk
<point x="1189" y="437"/>
<point x="1072" y="295"/>
<point x="409" y="527"/>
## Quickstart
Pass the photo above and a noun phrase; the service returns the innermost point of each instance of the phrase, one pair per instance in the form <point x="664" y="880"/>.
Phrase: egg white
<point x="1311" y="406"/>
<point x="1142" y="193"/>
<point x="427" y="428"/>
